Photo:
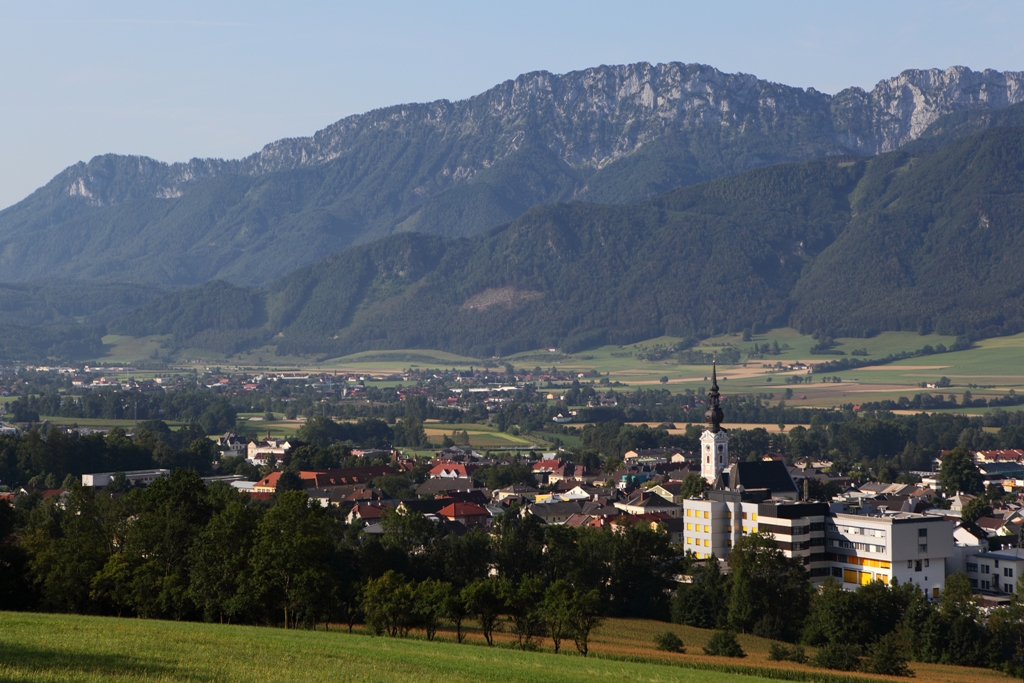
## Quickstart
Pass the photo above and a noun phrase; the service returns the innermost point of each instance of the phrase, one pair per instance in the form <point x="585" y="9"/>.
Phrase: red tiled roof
<point x="269" y="480"/>
<point x="459" y="510"/>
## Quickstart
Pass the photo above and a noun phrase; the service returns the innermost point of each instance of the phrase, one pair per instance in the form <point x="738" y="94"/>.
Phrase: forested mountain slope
<point x="610" y="134"/>
<point x="920" y="238"/>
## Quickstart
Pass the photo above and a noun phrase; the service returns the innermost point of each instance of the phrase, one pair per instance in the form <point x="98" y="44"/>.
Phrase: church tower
<point x="714" y="442"/>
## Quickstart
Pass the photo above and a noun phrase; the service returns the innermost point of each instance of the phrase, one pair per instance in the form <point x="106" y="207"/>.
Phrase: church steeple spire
<point x="714" y="414"/>
<point x="715" y="440"/>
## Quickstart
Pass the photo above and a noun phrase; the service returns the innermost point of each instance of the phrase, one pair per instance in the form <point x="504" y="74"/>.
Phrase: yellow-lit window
<point x="728" y="527"/>
<point x="707" y="529"/>
<point x="744" y="529"/>
<point x="849" y="576"/>
<point x="885" y="565"/>
<point x="728" y="514"/>
<point x="705" y="514"/>
<point x="706" y="543"/>
<point x="883" y="578"/>
<point x="689" y="513"/>
<point x="689" y="527"/>
<point x="753" y="516"/>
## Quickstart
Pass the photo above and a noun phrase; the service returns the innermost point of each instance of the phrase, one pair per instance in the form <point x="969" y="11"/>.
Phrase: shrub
<point x="777" y="652"/>
<point x="838" y="656"/>
<point x="887" y="657"/>
<point x="724" y="644"/>
<point x="669" y="642"/>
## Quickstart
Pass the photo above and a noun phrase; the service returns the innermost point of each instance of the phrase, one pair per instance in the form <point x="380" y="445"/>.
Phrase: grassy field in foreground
<point x="42" y="647"/>
<point x="37" y="647"/>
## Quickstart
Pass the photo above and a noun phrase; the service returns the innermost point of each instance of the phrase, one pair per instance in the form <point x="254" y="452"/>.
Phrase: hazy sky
<point x="186" y="79"/>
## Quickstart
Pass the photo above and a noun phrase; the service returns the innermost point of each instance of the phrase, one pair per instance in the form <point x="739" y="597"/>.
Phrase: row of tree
<point x="179" y="549"/>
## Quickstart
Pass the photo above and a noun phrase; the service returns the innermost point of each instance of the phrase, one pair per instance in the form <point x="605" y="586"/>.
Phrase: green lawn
<point x="42" y="647"/>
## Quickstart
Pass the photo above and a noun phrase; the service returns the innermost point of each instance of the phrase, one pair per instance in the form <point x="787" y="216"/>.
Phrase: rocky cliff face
<point x="900" y="109"/>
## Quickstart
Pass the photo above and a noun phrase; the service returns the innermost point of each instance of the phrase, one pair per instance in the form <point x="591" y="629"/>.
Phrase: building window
<point x="922" y="533"/>
<point x="986" y="585"/>
<point x="917" y="566"/>
<point x="972" y="567"/>
<point x="974" y="583"/>
<point x="910" y="564"/>
<point x="997" y="564"/>
<point x="837" y="572"/>
<point x="1008" y="572"/>
<point x="707" y="529"/>
<point x="985" y="569"/>
<point x="926" y="563"/>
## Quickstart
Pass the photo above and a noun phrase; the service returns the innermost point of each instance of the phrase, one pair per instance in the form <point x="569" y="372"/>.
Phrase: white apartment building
<point x="996" y="571"/>
<point x="713" y="526"/>
<point x="908" y="547"/>
<point x="853" y="549"/>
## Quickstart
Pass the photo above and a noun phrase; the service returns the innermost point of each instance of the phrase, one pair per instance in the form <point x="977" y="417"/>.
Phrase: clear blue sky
<point x="183" y="79"/>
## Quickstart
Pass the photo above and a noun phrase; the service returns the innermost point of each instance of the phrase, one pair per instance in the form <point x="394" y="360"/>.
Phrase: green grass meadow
<point x="45" y="648"/>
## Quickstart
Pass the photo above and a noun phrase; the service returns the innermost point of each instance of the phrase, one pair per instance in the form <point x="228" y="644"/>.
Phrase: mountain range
<point x="926" y="238"/>
<point x="602" y="206"/>
<point x="610" y="134"/>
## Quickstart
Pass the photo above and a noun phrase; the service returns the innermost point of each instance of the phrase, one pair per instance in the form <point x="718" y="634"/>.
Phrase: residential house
<point x="267" y="484"/>
<point x="555" y="513"/>
<point x="515" y="490"/>
<point x="646" y="502"/>
<point x="671" y="491"/>
<point x="451" y="470"/>
<point x="258" y="452"/>
<point x="445" y="486"/>
<point x="470" y="514"/>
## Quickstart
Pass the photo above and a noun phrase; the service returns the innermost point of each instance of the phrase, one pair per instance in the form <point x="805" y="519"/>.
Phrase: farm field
<point x="45" y="647"/>
<point x="480" y="436"/>
<point x="995" y="364"/>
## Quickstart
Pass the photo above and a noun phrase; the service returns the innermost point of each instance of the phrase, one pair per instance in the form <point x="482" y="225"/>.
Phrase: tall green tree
<point x="959" y="474"/>
<point x="521" y="604"/>
<point x="483" y="600"/>
<point x="704" y="602"/>
<point x="290" y="567"/>
<point x="219" y="559"/>
<point x="169" y="515"/>
<point x="770" y="592"/>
